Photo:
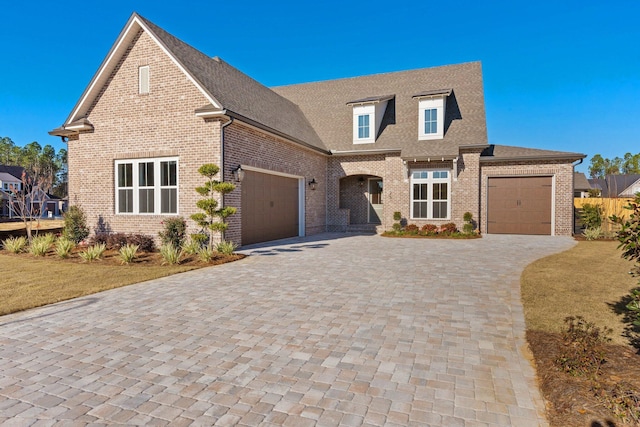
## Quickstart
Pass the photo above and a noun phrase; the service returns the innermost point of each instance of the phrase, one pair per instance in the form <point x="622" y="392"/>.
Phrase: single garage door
<point x="269" y="207"/>
<point x="519" y="205"/>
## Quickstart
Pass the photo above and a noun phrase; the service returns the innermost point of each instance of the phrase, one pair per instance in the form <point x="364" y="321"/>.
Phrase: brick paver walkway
<point x="359" y="330"/>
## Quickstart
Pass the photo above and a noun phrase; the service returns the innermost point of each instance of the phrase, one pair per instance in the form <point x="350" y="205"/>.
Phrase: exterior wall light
<point x="238" y="174"/>
<point x="361" y="181"/>
<point x="313" y="184"/>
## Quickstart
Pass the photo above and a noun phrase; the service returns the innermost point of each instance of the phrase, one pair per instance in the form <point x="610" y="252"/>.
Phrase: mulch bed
<point x="432" y="236"/>
<point x="111" y="257"/>
<point x="574" y="400"/>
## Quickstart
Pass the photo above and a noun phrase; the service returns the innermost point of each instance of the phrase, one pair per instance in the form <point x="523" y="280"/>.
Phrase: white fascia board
<point x="108" y="65"/>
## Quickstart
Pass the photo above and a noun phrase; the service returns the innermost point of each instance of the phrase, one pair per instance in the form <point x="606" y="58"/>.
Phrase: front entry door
<point x="375" y="200"/>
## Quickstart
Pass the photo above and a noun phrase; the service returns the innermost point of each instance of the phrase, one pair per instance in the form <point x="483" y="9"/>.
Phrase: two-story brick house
<point x="312" y="157"/>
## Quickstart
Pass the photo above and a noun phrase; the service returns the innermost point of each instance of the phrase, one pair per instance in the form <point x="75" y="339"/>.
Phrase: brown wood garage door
<point x="269" y="207"/>
<point x="519" y="205"/>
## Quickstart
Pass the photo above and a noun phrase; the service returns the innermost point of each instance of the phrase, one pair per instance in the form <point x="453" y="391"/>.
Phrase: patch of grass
<point x="587" y="280"/>
<point x="29" y="282"/>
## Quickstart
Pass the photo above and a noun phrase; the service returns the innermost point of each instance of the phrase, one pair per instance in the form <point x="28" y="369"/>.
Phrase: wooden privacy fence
<point x="610" y="206"/>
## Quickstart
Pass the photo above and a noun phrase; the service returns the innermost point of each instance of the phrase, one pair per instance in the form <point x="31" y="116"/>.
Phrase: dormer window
<point x="431" y="113"/>
<point x="367" y="118"/>
<point x="363" y="126"/>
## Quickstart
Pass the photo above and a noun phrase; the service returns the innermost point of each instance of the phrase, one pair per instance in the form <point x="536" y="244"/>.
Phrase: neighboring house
<point x="9" y="181"/>
<point x="314" y="157"/>
<point x="612" y="186"/>
<point x="581" y="185"/>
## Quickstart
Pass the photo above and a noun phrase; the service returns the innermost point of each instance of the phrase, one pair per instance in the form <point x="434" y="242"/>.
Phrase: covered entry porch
<point x="361" y="202"/>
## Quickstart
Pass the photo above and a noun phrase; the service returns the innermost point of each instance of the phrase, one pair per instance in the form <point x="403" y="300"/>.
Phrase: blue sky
<point x="559" y="75"/>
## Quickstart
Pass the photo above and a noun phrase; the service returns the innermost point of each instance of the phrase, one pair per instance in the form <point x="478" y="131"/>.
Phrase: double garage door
<point x="270" y="207"/>
<point x="519" y="205"/>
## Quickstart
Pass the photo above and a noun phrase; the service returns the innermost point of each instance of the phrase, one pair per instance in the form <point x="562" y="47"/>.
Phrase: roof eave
<point x="571" y="157"/>
<point x="365" y="152"/>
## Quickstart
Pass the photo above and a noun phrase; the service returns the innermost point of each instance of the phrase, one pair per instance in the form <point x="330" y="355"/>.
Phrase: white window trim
<point x="364" y="110"/>
<point x="144" y="80"/>
<point x="157" y="187"/>
<point x="437" y="103"/>
<point x="430" y="181"/>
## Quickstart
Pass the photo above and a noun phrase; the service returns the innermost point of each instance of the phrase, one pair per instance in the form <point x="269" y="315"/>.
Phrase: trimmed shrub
<point x="118" y="240"/>
<point x="429" y="229"/>
<point x="449" y="228"/>
<point x="191" y="247"/>
<point x="583" y="351"/>
<point x="411" y="228"/>
<point x="75" y="225"/>
<point x="174" y="231"/>
<point x="592" y="233"/>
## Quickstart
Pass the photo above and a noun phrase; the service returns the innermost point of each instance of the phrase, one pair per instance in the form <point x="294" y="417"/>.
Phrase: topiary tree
<point x="213" y="218"/>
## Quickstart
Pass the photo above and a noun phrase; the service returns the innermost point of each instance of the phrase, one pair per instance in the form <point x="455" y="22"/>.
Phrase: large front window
<point x="430" y="195"/>
<point x="147" y="194"/>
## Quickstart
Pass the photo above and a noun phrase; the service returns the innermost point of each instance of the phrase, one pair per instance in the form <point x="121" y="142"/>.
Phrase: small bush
<point x="411" y="228"/>
<point x="40" y="244"/>
<point x="118" y="240"/>
<point x="429" y="229"/>
<point x="467" y="228"/>
<point x="397" y="226"/>
<point x="93" y="252"/>
<point x="206" y="254"/>
<point x="75" y="225"/>
<point x="174" y="231"/>
<point x="397" y="216"/>
<point x="469" y="225"/>
<point x="467" y="217"/>
<point x="191" y="247"/>
<point x="591" y="215"/>
<point x="64" y="247"/>
<point x="449" y="228"/>
<point x="592" y="233"/>
<point x="128" y="253"/>
<point x="15" y="245"/>
<point x="170" y="254"/>
<point x="144" y="243"/>
<point x="583" y="351"/>
<point x="226" y="248"/>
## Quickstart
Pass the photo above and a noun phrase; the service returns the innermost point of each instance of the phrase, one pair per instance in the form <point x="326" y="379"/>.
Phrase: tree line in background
<point x="43" y="164"/>
<point x="602" y="166"/>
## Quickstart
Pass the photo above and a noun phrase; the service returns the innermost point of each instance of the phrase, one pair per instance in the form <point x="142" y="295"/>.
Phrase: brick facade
<point x="562" y="173"/>
<point x="162" y="123"/>
<point x="250" y="147"/>
<point x="128" y="125"/>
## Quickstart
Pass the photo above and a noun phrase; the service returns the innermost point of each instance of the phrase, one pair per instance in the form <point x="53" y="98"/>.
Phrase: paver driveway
<point x="358" y="330"/>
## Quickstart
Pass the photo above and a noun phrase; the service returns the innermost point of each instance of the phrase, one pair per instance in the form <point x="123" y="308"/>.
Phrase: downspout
<point x="222" y="168"/>
<point x="573" y="178"/>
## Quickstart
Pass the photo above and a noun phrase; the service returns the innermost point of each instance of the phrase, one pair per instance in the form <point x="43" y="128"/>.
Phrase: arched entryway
<point x="363" y="197"/>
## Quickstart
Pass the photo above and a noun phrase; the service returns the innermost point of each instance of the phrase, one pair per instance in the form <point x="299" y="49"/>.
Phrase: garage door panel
<point x="269" y="207"/>
<point x="519" y="205"/>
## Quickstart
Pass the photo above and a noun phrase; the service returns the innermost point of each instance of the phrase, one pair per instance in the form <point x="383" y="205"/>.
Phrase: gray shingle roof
<point x="325" y="105"/>
<point x="15" y="171"/>
<point x="237" y="92"/>
<point x="580" y="182"/>
<point x="614" y="185"/>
